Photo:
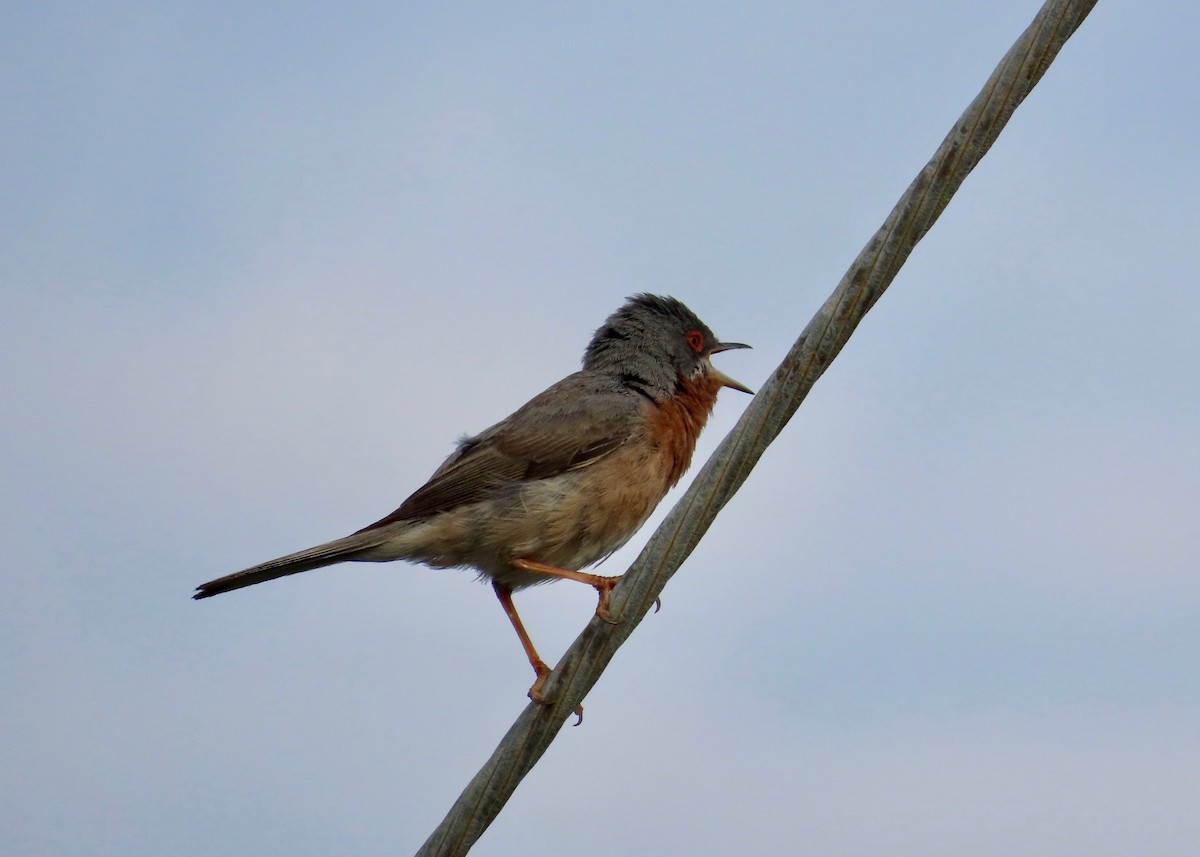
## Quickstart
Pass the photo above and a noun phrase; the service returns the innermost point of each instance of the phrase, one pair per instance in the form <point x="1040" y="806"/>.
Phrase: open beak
<point x="720" y="376"/>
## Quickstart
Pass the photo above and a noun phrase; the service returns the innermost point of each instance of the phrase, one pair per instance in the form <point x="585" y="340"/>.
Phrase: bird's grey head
<point x="658" y="341"/>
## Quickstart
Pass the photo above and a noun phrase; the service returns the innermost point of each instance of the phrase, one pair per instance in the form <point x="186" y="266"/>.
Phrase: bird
<point x="561" y="483"/>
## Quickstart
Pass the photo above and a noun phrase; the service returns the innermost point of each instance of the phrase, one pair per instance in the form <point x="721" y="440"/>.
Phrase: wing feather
<point x="554" y="433"/>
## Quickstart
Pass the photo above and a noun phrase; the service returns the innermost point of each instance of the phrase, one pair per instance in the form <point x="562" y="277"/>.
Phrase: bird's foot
<point x="604" y="586"/>
<point x="543" y="672"/>
<point x="604" y="589"/>
<point x="535" y="692"/>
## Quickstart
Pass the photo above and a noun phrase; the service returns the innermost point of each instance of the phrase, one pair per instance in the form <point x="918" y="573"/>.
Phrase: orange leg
<point x="504" y="594"/>
<point x="539" y="666"/>
<point x="602" y="584"/>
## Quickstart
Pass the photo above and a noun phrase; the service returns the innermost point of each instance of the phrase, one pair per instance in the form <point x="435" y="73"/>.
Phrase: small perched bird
<point x="561" y="483"/>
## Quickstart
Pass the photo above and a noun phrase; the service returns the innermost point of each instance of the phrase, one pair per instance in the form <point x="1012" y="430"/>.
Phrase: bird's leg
<point x="602" y="584"/>
<point x="504" y="594"/>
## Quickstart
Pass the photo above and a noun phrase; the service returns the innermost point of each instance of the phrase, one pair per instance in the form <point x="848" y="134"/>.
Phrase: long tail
<point x="339" y="550"/>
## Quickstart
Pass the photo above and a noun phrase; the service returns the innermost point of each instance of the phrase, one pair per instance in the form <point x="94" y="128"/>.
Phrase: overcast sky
<point x="262" y="263"/>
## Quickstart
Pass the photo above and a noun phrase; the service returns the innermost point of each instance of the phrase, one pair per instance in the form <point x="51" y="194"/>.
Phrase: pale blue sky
<point x="260" y="267"/>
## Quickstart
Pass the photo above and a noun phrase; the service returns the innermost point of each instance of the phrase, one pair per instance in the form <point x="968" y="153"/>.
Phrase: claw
<point x="657" y="604"/>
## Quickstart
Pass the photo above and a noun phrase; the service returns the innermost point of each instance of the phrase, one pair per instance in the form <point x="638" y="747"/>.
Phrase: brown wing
<point x="571" y="425"/>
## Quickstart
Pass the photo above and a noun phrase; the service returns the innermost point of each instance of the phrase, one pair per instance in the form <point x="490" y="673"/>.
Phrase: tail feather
<point x="339" y="550"/>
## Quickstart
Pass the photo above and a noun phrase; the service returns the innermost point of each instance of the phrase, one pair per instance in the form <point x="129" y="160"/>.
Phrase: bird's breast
<point x="676" y="423"/>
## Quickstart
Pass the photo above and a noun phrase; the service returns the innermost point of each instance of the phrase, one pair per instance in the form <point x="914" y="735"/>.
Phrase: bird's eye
<point x="695" y="340"/>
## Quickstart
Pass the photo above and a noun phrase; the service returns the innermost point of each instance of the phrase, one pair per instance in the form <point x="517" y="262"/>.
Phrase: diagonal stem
<point x="822" y="339"/>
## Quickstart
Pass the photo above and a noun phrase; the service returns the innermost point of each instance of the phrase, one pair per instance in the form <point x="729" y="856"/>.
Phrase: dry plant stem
<point x="862" y="285"/>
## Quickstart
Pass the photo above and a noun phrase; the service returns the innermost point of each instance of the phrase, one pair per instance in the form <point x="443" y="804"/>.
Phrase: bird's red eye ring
<point x="695" y="340"/>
